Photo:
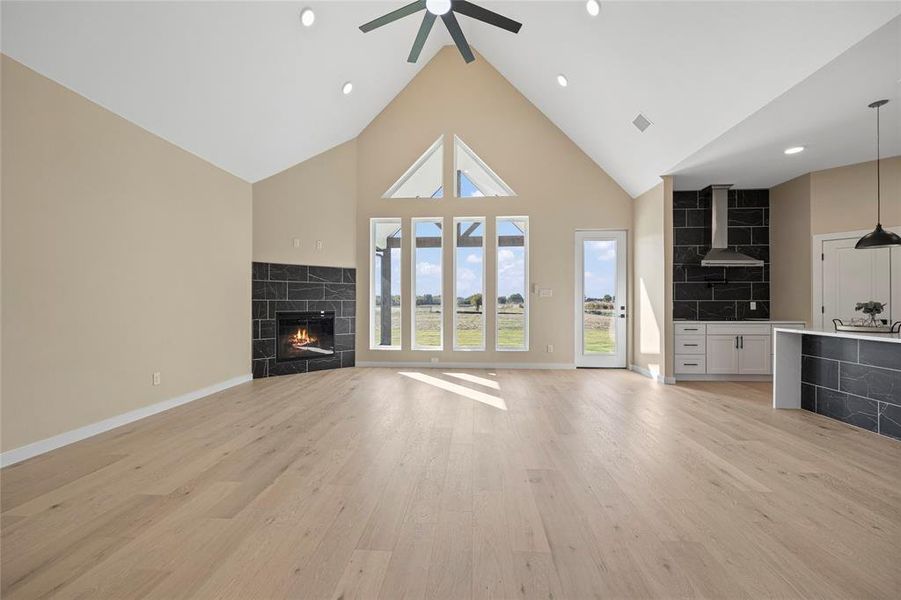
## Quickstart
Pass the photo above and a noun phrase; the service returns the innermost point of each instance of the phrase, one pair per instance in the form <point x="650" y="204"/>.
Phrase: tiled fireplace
<point x="303" y="318"/>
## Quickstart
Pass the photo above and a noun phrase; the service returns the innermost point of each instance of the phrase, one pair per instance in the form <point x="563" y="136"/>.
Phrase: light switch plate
<point x="297" y="242"/>
<point x="545" y="293"/>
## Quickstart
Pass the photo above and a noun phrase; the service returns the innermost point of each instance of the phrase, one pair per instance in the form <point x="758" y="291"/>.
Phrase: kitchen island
<point x="852" y="377"/>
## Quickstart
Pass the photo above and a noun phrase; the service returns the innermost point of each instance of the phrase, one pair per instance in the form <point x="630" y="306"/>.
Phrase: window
<point x="512" y="283"/>
<point x="423" y="179"/>
<point x="472" y="177"/>
<point x="469" y="283"/>
<point x="384" y="303"/>
<point x="428" y="301"/>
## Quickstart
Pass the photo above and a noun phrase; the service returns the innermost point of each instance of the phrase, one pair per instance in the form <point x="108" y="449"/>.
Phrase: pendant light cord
<point x="878" y="184"/>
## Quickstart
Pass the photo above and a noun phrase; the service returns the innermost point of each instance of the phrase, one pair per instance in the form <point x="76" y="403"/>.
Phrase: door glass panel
<point x="599" y="297"/>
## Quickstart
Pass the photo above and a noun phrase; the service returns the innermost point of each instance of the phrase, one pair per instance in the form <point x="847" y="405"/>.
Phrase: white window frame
<point x="413" y="247"/>
<point x="484" y="222"/>
<point x="526" y="294"/>
<point x="372" y="282"/>
<point x="437" y="146"/>
<point x="461" y="147"/>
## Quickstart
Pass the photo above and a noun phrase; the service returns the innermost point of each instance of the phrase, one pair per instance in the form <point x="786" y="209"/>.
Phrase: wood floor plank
<point x="364" y="483"/>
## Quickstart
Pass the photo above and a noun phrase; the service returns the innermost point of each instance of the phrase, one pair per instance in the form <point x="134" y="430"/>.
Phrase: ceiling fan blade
<point x="450" y="21"/>
<point x="487" y="16"/>
<point x="394" y="15"/>
<point x="427" y="20"/>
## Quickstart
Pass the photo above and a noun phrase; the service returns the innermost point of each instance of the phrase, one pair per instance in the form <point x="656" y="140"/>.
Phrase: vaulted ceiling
<point x="246" y="87"/>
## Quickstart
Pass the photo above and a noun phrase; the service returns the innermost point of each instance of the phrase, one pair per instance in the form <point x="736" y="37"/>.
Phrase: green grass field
<point x="598" y="336"/>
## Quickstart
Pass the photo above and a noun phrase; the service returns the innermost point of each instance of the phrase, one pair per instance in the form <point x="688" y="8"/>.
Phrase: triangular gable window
<point x="472" y="177"/>
<point x="423" y="179"/>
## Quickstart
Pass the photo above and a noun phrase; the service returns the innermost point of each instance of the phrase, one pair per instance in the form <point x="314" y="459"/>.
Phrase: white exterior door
<point x="754" y="355"/>
<point x="851" y="276"/>
<point x="722" y="354"/>
<point x="601" y="299"/>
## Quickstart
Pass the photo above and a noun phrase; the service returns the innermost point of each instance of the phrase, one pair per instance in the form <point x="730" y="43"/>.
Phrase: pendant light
<point x="879" y="237"/>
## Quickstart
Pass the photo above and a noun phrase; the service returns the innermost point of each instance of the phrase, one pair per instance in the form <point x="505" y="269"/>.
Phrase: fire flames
<point x="301" y="338"/>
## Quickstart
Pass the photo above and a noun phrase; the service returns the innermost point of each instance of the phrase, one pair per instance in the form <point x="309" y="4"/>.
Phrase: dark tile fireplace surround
<point x="303" y="318"/>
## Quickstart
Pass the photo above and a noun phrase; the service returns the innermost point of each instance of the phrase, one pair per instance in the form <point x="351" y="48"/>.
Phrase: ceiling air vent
<point x="641" y="122"/>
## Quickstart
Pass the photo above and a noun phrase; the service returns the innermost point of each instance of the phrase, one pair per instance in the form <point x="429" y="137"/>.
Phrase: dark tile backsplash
<point x="850" y="380"/>
<point x="278" y="288"/>
<point x="713" y="293"/>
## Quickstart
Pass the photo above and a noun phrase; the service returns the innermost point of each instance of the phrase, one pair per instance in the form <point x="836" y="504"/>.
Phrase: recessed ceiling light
<point x="562" y="80"/>
<point x="307" y="17"/>
<point x="347" y="88"/>
<point x="794" y="149"/>
<point x="593" y="7"/>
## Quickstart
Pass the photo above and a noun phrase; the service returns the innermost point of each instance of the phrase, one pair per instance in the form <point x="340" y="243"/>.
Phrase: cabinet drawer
<point x="690" y="328"/>
<point x="738" y="328"/>
<point x="691" y="364"/>
<point x="691" y="344"/>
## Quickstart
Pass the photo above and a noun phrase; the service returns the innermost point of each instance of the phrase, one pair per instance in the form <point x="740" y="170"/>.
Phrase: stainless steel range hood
<point x="720" y="255"/>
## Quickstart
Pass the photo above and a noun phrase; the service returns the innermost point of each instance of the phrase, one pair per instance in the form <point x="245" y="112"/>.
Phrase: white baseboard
<point x="705" y="377"/>
<point x="659" y="377"/>
<point x="11" y="457"/>
<point x="462" y="365"/>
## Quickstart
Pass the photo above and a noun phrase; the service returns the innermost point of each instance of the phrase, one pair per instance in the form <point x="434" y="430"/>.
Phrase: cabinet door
<point x="754" y="355"/>
<point x="851" y="276"/>
<point x="722" y="354"/>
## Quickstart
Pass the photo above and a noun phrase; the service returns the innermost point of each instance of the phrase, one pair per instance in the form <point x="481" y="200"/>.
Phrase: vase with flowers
<point x="871" y="309"/>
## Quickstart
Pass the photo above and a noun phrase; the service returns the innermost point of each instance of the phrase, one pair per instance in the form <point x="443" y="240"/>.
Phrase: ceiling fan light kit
<point x="446" y="9"/>
<point x="879" y="237"/>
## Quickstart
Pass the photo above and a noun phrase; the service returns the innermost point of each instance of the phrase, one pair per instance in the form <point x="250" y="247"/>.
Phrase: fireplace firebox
<point x="302" y="335"/>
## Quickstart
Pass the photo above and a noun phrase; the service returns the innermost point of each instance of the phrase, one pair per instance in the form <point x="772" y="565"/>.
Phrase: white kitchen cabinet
<point x="754" y="354"/>
<point x="719" y="349"/>
<point x="722" y="354"/>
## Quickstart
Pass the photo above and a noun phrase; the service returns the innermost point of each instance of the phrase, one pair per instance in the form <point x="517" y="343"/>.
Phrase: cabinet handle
<point x="691" y="329"/>
<point x="691" y="364"/>
<point x="736" y="342"/>
<point x="694" y="345"/>
<point x="741" y="342"/>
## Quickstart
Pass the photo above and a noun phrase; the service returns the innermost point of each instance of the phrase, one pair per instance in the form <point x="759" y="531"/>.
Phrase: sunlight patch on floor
<point x="475" y="379"/>
<point x="492" y="401"/>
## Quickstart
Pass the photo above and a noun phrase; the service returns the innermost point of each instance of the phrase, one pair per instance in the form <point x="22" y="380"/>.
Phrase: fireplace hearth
<point x="302" y="335"/>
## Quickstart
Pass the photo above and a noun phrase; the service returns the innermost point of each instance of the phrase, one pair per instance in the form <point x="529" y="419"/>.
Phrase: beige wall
<point x="828" y="201"/>
<point x="649" y="282"/>
<point x="314" y="200"/>
<point x="558" y="187"/>
<point x="790" y="250"/>
<point x="669" y="338"/>
<point x="844" y="199"/>
<point x="121" y="255"/>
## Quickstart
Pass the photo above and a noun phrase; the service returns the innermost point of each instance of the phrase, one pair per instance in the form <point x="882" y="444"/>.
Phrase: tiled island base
<point x="853" y="380"/>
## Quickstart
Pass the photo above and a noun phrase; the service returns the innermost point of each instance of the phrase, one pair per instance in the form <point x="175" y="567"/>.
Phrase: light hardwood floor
<point x="381" y="483"/>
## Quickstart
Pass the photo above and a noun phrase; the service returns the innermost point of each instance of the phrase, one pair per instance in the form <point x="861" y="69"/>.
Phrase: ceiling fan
<point x="444" y="9"/>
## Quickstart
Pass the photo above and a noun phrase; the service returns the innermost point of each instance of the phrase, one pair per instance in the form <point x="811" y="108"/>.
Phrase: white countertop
<point x="737" y="321"/>
<point x="892" y="338"/>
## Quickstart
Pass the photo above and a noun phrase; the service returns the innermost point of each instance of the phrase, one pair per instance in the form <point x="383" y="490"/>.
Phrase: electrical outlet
<point x="550" y="348"/>
<point x="753" y="306"/>
<point x="156" y="378"/>
<point x="297" y="242"/>
<point x="434" y="360"/>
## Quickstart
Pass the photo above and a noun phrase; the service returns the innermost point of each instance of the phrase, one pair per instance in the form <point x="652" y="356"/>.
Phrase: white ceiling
<point x="244" y="86"/>
<point x="826" y="113"/>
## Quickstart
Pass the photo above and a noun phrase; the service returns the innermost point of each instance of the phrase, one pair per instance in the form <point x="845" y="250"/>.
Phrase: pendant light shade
<point x="879" y="237"/>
